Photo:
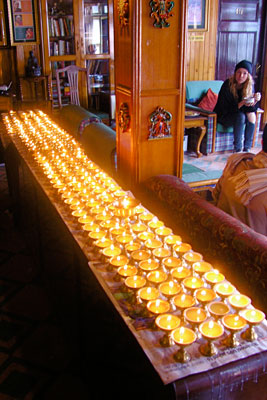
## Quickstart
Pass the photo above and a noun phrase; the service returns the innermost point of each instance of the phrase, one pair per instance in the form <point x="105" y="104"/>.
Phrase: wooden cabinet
<point x="81" y="32"/>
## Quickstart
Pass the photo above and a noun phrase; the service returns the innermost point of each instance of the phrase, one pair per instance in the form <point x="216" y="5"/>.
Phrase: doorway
<point x="240" y="36"/>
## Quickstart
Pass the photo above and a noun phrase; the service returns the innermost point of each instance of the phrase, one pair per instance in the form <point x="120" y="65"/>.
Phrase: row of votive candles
<point x="164" y="273"/>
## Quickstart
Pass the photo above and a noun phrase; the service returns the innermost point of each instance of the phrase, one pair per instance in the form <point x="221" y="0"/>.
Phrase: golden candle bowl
<point x="218" y="309"/>
<point x="160" y="253"/>
<point x="180" y="273"/>
<point x="121" y="193"/>
<point x="148" y="293"/>
<point x="143" y="236"/>
<point x="253" y="318"/>
<point x="125" y="206"/>
<point x="151" y="244"/>
<point x="158" y="306"/>
<point x="210" y="330"/>
<point x="111" y="251"/>
<point x="213" y="277"/>
<point x="91" y="226"/>
<point x="124" y="239"/>
<point x="139" y="210"/>
<point x="169" y="288"/>
<point x="97" y="234"/>
<point x="135" y="282"/>
<point x="80" y="212"/>
<point x="224" y="289"/>
<point x="105" y="216"/>
<point x="148" y="265"/>
<point x="192" y="282"/>
<point x="140" y="255"/>
<point x="181" y="249"/>
<point x="93" y="203"/>
<point x="157" y="277"/>
<point x="116" y="231"/>
<point x="127" y="270"/>
<point x="138" y="228"/>
<point x="183" y="301"/>
<point x="162" y="232"/>
<point x="85" y="219"/>
<point x="102" y="243"/>
<point x="234" y="323"/>
<point x="195" y="315"/>
<point x="172" y="240"/>
<point x="97" y="210"/>
<point x="205" y="295"/>
<point x="201" y="267"/>
<point x="191" y="257"/>
<point x="118" y="261"/>
<point x="131" y="247"/>
<point x="107" y="223"/>
<point x="239" y="301"/>
<point x="155" y="223"/>
<point x="146" y="217"/>
<point x="183" y="337"/>
<point x="167" y="323"/>
<point x="171" y="263"/>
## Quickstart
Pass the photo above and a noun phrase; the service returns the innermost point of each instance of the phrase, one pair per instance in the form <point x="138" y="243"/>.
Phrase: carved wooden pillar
<point x="150" y="87"/>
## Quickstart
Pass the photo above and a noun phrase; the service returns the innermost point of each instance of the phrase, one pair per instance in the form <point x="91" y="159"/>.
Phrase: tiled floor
<point x="35" y="361"/>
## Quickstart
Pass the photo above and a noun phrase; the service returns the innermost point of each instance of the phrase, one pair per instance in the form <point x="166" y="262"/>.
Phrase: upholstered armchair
<point x="218" y="137"/>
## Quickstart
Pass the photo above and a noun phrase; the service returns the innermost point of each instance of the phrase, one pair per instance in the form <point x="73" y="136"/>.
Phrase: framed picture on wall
<point x="198" y="15"/>
<point x="22" y="21"/>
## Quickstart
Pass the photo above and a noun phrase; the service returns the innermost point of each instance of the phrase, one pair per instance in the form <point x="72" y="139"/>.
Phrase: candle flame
<point x="211" y="324"/>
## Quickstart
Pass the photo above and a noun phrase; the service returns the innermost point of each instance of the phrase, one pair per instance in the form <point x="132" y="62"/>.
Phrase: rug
<point x="190" y="169"/>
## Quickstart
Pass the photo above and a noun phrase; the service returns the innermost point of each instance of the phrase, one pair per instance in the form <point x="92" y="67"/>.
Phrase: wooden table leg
<point x="202" y="134"/>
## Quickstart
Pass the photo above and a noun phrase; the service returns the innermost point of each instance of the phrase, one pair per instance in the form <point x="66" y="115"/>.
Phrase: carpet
<point x="191" y="173"/>
<point x="189" y="169"/>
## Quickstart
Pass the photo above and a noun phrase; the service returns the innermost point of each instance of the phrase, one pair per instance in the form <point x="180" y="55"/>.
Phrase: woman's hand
<point x="257" y="97"/>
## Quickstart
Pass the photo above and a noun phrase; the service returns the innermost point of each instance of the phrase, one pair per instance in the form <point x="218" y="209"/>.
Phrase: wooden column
<point x="149" y="73"/>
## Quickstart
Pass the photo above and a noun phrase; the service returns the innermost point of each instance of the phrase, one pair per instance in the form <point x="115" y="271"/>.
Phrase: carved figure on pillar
<point x="159" y="124"/>
<point x="161" y="12"/>
<point x="123" y="10"/>
<point x="124" y="117"/>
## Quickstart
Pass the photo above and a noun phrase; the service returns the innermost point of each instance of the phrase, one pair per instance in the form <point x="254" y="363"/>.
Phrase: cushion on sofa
<point x="208" y="102"/>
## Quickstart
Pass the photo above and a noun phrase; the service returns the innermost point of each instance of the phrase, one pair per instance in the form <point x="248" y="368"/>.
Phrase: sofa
<point x="97" y="139"/>
<point x="228" y="244"/>
<point x="218" y="137"/>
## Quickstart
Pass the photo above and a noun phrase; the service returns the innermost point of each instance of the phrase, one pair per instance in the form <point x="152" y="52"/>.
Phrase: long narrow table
<point x="116" y="347"/>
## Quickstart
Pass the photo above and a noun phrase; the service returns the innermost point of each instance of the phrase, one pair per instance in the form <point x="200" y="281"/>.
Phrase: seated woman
<point x="242" y="189"/>
<point x="237" y="104"/>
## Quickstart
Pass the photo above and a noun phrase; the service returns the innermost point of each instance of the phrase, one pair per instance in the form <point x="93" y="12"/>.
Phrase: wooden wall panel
<point x="201" y="55"/>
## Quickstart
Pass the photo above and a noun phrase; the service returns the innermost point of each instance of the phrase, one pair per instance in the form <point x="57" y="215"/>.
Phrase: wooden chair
<point x="73" y="80"/>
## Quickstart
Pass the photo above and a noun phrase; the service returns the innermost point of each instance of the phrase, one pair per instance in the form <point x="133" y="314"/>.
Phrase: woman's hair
<point x="247" y="88"/>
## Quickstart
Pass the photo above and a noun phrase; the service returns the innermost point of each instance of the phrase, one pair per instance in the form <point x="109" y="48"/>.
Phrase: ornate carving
<point x="123" y="11"/>
<point x="161" y="12"/>
<point x="159" y="123"/>
<point x="124" y="117"/>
